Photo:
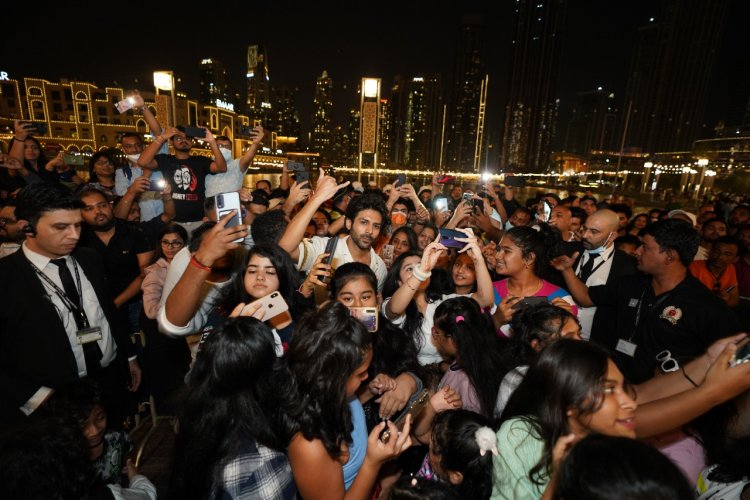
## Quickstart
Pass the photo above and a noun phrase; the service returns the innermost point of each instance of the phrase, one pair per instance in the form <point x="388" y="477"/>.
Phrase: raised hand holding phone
<point x="219" y="240"/>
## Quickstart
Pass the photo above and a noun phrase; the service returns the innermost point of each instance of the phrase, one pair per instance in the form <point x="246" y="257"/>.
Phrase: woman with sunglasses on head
<point x="575" y="389"/>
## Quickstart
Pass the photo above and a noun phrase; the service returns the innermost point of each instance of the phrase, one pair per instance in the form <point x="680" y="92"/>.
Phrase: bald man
<point x="599" y="264"/>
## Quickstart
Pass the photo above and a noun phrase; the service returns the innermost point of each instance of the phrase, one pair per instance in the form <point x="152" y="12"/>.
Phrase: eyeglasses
<point x="4" y="221"/>
<point x="103" y="163"/>
<point x="668" y="363"/>
<point x="172" y="244"/>
<point x="182" y="138"/>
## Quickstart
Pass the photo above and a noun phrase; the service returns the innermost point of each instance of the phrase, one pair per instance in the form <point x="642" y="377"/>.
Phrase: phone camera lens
<point x="220" y="200"/>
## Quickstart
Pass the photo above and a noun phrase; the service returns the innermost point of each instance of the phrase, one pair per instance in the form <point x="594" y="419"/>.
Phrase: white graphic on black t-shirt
<point x="185" y="178"/>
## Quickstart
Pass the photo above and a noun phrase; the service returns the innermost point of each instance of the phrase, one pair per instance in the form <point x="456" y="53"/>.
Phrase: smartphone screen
<point x="440" y="204"/>
<point x="414" y="409"/>
<point x="400" y="179"/>
<point x="225" y="203"/>
<point x="529" y="301"/>
<point x="448" y="238"/>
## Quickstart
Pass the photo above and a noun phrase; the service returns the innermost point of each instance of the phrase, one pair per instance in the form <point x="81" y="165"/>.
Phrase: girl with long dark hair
<point x="332" y="456"/>
<point x="230" y="443"/>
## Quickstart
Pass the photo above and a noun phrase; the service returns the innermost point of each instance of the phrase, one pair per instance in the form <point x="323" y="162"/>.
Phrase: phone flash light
<point x="486" y="176"/>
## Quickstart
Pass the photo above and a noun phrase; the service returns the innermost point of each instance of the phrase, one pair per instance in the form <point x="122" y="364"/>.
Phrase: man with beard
<point x="185" y="173"/>
<point x="366" y="217"/>
<point x="599" y="264"/>
<point x="664" y="309"/>
<point x="124" y="248"/>
<point x="711" y="230"/>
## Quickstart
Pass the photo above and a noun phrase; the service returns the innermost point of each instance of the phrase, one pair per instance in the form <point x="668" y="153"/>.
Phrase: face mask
<point x="508" y="225"/>
<point x="226" y="153"/>
<point x="133" y="158"/>
<point x="398" y="218"/>
<point x="598" y="250"/>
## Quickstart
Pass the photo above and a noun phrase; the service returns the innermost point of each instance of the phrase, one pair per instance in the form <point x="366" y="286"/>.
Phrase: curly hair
<point x="326" y="348"/>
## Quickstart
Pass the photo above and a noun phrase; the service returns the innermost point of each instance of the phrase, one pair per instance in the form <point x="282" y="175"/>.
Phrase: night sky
<point x="117" y="43"/>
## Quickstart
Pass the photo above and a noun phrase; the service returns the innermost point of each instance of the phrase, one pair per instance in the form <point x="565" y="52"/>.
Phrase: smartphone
<point x="71" y="159"/>
<point x="529" y="301"/>
<point x="440" y="204"/>
<point x="302" y="177"/>
<point x="467" y="196"/>
<point x="387" y="252"/>
<point x="742" y="355"/>
<point x="272" y="305"/>
<point x="158" y="185"/>
<point x="330" y="250"/>
<point x="245" y="130"/>
<point x="225" y="203"/>
<point x="195" y="132"/>
<point x="367" y="315"/>
<point x="400" y="179"/>
<point x="125" y="105"/>
<point x="40" y="127"/>
<point x="448" y="238"/>
<point x="414" y="409"/>
<point x="295" y="166"/>
<point x="514" y="181"/>
<point x="446" y="179"/>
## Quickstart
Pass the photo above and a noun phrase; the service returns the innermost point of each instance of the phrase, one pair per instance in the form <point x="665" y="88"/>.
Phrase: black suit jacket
<point x="34" y="347"/>
<point x="601" y="328"/>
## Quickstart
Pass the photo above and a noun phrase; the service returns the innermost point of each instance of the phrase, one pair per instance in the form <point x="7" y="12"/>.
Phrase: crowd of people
<point x="333" y="339"/>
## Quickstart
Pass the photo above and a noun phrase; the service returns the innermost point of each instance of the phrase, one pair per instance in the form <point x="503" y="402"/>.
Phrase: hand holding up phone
<point x="219" y="240"/>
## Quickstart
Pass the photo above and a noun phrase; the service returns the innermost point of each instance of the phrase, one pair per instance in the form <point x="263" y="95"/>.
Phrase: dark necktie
<point x="588" y="268"/>
<point x="91" y="351"/>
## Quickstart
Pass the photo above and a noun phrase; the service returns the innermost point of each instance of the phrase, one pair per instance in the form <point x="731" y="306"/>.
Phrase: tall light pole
<point x="164" y="80"/>
<point x="369" y="116"/>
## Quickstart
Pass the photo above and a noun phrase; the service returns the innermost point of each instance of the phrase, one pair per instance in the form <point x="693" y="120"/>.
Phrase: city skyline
<point x="405" y="40"/>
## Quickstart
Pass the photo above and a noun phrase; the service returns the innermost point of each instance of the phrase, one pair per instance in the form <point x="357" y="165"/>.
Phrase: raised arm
<point x="577" y="288"/>
<point x="140" y="185"/>
<point x="485" y="294"/>
<point x="185" y="298"/>
<point x="405" y="293"/>
<point x="723" y="382"/>
<point x="295" y="231"/>
<point x="146" y="160"/>
<point x="219" y="165"/>
<point x="248" y="156"/>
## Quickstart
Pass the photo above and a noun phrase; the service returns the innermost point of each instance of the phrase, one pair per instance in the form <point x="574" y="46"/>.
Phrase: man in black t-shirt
<point x="668" y="310"/>
<point x="185" y="173"/>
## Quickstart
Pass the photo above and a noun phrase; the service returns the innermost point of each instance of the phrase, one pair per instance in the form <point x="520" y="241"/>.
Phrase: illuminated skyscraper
<point x="422" y="123"/>
<point x="321" y="136"/>
<point x="213" y="84"/>
<point x="258" y="83"/>
<point x="464" y="103"/>
<point x="531" y="111"/>
<point x="670" y="75"/>
<point x="592" y="124"/>
<point x="285" y="117"/>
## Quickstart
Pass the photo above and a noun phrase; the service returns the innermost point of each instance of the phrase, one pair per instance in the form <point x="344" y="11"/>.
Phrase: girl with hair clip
<point x="575" y="389"/>
<point x="464" y="335"/>
<point x="523" y="255"/>
<point x="406" y="302"/>
<point x="230" y="443"/>
<point x="332" y="456"/>
<point x="533" y="329"/>
<point x="461" y="451"/>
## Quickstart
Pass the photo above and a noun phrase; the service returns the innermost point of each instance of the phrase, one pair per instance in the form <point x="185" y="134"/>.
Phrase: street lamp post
<point x="164" y="80"/>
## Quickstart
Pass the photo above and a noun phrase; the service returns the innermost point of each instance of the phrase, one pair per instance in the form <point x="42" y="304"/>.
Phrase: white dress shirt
<point x="602" y="266"/>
